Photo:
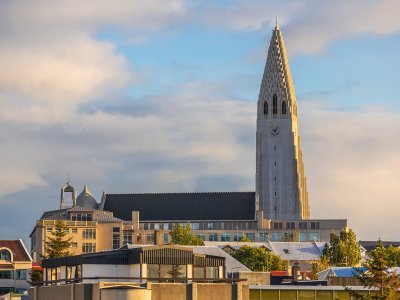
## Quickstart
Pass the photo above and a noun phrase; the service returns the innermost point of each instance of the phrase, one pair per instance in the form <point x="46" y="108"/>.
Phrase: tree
<point x="393" y="254"/>
<point x="258" y="259"/>
<point x="316" y="267"/>
<point x="378" y="276"/>
<point x="343" y="250"/>
<point x="182" y="235"/>
<point x="58" y="245"/>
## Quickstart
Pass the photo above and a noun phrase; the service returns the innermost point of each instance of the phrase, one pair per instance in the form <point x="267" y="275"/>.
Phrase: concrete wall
<point x="167" y="291"/>
<point x="255" y="278"/>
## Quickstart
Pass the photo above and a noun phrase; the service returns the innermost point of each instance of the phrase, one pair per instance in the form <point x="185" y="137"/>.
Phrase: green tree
<point x="378" y="276"/>
<point x="343" y="250"/>
<point x="317" y="266"/>
<point x="182" y="235"/>
<point x="58" y="245"/>
<point x="258" y="259"/>
<point x="393" y="254"/>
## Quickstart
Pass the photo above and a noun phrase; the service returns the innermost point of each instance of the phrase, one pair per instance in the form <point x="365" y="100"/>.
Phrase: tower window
<point x="284" y="108"/>
<point x="275" y="104"/>
<point x="265" y="108"/>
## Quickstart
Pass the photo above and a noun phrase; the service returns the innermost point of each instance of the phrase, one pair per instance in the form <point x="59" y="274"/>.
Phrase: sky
<point x="133" y="96"/>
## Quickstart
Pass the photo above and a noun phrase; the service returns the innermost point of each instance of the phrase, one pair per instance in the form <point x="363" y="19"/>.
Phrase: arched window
<point x="284" y="108"/>
<point x="265" y="108"/>
<point x="275" y="104"/>
<point x="5" y="255"/>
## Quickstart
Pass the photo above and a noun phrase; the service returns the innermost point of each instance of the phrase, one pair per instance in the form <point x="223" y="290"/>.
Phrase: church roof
<point x="182" y="206"/>
<point x="85" y="199"/>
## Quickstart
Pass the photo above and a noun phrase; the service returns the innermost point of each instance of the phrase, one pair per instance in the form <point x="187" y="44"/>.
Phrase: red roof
<point x="36" y="266"/>
<point x="18" y="249"/>
<point x="279" y="273"/>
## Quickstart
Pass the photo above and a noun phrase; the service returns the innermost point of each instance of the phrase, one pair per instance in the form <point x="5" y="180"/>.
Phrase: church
<point x="278" y="210"/>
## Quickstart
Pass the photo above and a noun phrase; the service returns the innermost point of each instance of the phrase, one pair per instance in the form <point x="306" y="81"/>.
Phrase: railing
<point x="138" y="280"/>
<point x="67" y="223"/>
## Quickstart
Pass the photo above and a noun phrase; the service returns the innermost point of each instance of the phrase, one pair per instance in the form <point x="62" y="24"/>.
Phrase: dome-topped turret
<point x="85" y="199"/>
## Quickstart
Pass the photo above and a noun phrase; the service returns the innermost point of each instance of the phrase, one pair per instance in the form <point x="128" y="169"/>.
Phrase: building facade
<point x="15" y="265"/>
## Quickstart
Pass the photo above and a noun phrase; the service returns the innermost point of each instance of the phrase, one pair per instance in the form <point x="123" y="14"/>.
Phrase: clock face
<point x="275" y="130"/>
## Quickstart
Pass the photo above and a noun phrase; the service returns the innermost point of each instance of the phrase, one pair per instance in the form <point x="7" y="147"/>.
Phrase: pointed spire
<point x="86" y="191"/>
<point x="68" y="180"/>
<point x="276" y="23"/>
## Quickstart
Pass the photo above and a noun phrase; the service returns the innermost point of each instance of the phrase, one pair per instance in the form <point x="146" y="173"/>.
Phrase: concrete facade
<point x="281" y="191"/>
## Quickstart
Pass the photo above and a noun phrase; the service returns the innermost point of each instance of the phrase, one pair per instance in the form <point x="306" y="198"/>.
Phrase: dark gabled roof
<point x="371" y="245"/>
<point x="182" y="206"/>
<point x="20" y="253"/>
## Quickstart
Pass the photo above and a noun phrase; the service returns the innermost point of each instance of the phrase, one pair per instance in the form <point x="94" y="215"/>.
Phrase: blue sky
<point x="160" y="96"/>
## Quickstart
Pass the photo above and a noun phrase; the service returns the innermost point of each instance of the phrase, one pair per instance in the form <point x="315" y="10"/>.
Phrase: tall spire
<point x="276" y="23"/>
<point x="280" y="181"/>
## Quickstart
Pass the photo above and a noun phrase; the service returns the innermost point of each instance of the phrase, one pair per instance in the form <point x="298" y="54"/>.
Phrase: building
<point x="278" y="209"/>
<point x="15" y="265"/>
<point x="281" y="190"/>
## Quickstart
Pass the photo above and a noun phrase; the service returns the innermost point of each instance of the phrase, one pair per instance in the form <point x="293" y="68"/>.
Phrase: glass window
<point x="194" y="226"/>
<point x="202" y="236"/>
<point x="265" y="108"/>
<point x="74" y="230"/>
<point x="276" y="236"/>
<point x="211" y="272"/>
<point x="146" y="226"/>
<point x="5" y="255"/>
<point x="210" y="225"/>
<point x="263" y="237"/>
<point x="127" y="237"/>
<point x="49" y="229"/>
<point x="88" y="247"/>
<point x="116" y="241"/>
<point x="156" y="226"/>
<point x="303" y="225"/>
<point x="165" y="226"/>
<point x="237" y="237"/>
<point x="166" y="238"/>
<point x="225" y="237"/>
<point x="251" y="236"/>
<point x="166" y="271"/>
<point x="88" y="233"/>
<point x="20" y="274"/>
<point x="213" y="237"/>
<point x="74" y="245"/>
<point x="116" y="229"/>
<point x="150" y="238"/>
<point x="198" y="272"/>
<point x="153" y="271"/>
<point x="303" y="236"/>
<point x="283" y="108"/>
<point x="5" y="274"/>
<point x="314" y="236"/>
<point x="275" y="104"/>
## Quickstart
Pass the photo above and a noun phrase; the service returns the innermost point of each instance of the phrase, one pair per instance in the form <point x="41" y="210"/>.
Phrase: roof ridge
<point x="182" y="193"/>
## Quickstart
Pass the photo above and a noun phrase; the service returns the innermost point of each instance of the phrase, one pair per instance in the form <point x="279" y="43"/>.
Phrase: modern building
<point x="278" y="210"/>
<point x="15" y="265"/>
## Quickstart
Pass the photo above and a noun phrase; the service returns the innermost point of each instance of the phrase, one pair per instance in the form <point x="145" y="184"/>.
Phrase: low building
<point x="15" y="265"/>
<point x="341" y="276"/>
<point x="141" y="264"/>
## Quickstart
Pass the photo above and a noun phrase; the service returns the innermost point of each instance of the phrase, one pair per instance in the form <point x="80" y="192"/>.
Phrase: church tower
<point x="281" y="191"/>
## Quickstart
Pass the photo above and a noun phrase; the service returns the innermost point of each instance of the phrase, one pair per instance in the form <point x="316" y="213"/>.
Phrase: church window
<point x="5" y="255"/>
<point x="265" y="108"/>
<point x="275" y="104"/>
<point x="284" y="108"/>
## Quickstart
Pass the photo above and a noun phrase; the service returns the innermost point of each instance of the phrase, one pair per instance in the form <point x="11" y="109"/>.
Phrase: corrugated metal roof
<point x="182" y="206"/>
<point x="339" y="272"/>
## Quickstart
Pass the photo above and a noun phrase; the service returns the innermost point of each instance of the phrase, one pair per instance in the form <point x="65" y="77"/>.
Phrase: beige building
<point x="15" y="265"/>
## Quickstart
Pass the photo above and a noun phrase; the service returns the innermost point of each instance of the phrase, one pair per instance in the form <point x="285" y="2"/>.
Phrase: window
<point x="166" y="238"/>
<point x="263" y="236"/>
<point x="127" y="237"/>
<point x="290" y="225"/>
<point x="283" y="108"/>
<point x="49" y="229"/>
<point x="88" y="247"/>
<point x="5" y="255"/>
<point x="88" y="233"/>
<point x="265" y="108"/>
<point x="81" y="217"/>
<point x="275" y="104"/>
<point x="303" y="237"/>
<point x="210" y="226"/>
<point x="74" y="230"/>
<point x="314" y="236"/>
<point x="74" y="245"/>
<point x="146" y="226"/>
<point x="165" y="226"/>
<point x="6" y="274"/>
<point x="302" y="225"/>
<point x="153" y="271"/>
<point x="116" y="240"/>
<point x="225" y="237"/>
<point x="202" y="236"/>
<point x="276" y="236"/>
<point x="20" y="274"/>
<point x="211" y="272"/>
<point x="150" y="238"/>
<point x="213" y="237"/>
<point x="314" y="225"/>
<point x="278" y="225"/>
<point x="156" y="226"/>
<point x="237" y="237"/>
<point x="251" y="236"/>
<point x="198" y="272"/>
<point x="194" y="226"/>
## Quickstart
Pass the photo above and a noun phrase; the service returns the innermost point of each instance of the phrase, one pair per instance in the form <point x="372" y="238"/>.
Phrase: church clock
<point x="275" y="130"/>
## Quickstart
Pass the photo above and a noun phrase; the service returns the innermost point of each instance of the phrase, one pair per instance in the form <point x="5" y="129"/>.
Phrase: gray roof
<point x="63" y="214"/>
<point x="85" y="199"/>
<point x="297" y="250"/>
<point x="238" y="245"/>
<point x="182" y="206"/>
